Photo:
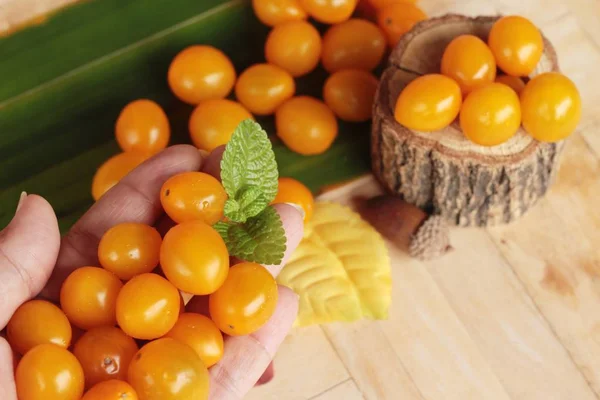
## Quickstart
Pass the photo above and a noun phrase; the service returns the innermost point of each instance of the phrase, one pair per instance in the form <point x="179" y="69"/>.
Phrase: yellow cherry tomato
<point x="191" y="196"/>
<point x="397" y="18"/>
<point x="470" y="62"/>
<point x="275" y="12"/>
<point x="306" y="125"/>
<point x="201" y="73"/>
<point x="148" y="306"/>
<point x="212" y="123"/>
<point x="354" y="44"/>
<point x="329" y="11"/>
<point x="350" y="94"/>
<point x="551" y="107"/>
<point x="201" y="334"/>
<point x="293" y="191"/>
<point x="49" y="372"/>
<point x="379" y="4"/>
<point x="113" y="170"/>
<point x="263" y="87"/>
<point x="246" y="300"/>
<point x="167" y="369"/>
<point x="517" y="45"/>
<point x="194" y="258"/>
<point x="491" y="115"/>
<point x="111" y="390"/>
<point x="429" y="103"/>
<point x="143" y="126"/>
<point x="294" y="46"/>
<point x="88" y="297"/>
<point x="38" y="322"/>
<point x="513" y="82"/>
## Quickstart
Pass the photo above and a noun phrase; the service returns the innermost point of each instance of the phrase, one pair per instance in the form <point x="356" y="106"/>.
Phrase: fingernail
<point x="298" y="208"/>
<point x="21" y="200"/>
<point x="203" y="153"/>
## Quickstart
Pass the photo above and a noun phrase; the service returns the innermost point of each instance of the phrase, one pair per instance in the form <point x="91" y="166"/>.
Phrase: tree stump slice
<point x="443" y="172"/>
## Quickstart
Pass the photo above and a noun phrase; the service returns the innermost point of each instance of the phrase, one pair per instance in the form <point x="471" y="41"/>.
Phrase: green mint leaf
<point x="261" y="239"/>
<point x="249" y="203"/>
<point x="249" y="161"/>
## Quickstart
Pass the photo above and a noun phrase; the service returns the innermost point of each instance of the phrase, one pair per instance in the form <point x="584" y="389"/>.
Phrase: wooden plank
<point x="305" y="366"/>
<point x="346" y="390"/>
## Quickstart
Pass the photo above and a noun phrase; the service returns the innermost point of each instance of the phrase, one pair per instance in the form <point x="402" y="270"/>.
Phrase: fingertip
<point x="293" y="224"/>
<point x="212" y="165"/>
<point x="7" y="382"/>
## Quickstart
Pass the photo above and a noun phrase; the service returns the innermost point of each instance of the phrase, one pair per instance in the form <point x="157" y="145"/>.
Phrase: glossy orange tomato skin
<point x="37" y="322"/>
<point x="129" y="249"/>
<point x="329" y="11"/>
<point x="113" y="170"/>
<point x="88" y="297"/>
<point x="354" y="44"/>
<point x="167" y="369"/>
<point x="104" y="354"/>
<point x="294" y="46"/>
<point x="111" y="390"/>
<point x="142" y="126"/>
<point x="213" y="122"/>
<point x="470" y="62"/>
<point x="295" y="192"/>
<point x="306" y="125"/>
<point x="201" y="73"/>
<point x="513" y="82"/>
<point x="246" y="300"/>
<point x="517" y="45"/>
<point x="397" y="18"/>
<point x="148" y="307"/>
<point x="551" y="107"/>
<point x="194" y="258"/>
<point x="350" y="94"/>
<point x="263" y="87"/>
<point x="379" y="4"/>
<point x="429" y="103"/>
<point x="201" y="334"/>
<point x="49" y="372"/>
<point x="276" y="12"/>
<point x="193" y="196"/>
<point x="491" y="115"/>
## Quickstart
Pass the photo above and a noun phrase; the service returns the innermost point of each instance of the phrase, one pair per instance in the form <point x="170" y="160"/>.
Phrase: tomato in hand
<point x="350" y="94"/>
<point x="276" y="12"/>
<point x="295" y="47"/>
<point x="193" y="196"/>
<point x="491" y="115"/>
<point x="129" y="249"/>
<point x="470" y="62"/>
<point x="104" y="353"/>
<point x="379" y="4"/>
<point x="213" y="122"/>
<point x="306" y="125"/>
<point x="194" y="258"/>
<point x="428" y="103"/>
<point x="88" y="297"/>
<point x="293" y="191"/>
<point x="263" y="87"/>
<point x="113" y="170"/>
<point x="246" y="300"/>
<point x="551" y="107"/>
<point x="354" y="44"/>
<point x="148" y="306"/>
<point x="201" y="334"/>
<point x="329" y="11"/>
<point x="517" y="45"/>
<point x="513" y="82"/>
<point x="201" y="73"/>
<point x="397" y="18"/>
<point x="37" y="322"/>
<point x="111" y="390"/>
<point x="167" y="369"/>
<point x="49" y="372"/>
<point x="143" y="126"/>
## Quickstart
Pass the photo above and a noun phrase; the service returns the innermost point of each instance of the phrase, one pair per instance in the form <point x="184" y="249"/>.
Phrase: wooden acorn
<point x="442" y="171"/>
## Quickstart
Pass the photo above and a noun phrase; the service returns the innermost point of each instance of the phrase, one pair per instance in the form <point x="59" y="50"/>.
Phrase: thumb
<point x="28" y="249"/>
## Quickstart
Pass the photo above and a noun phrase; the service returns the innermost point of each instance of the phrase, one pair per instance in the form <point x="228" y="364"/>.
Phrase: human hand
<point x="34" y="260"/>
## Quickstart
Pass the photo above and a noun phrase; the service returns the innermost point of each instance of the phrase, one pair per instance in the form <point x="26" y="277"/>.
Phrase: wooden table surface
<point x="513" y="312"/>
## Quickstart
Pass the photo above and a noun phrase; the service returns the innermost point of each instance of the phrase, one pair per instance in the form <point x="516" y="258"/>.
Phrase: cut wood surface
<point x="514" y="311"/>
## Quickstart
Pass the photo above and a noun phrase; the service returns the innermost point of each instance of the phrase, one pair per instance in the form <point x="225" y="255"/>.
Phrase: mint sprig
<point x="254" y="232"/>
